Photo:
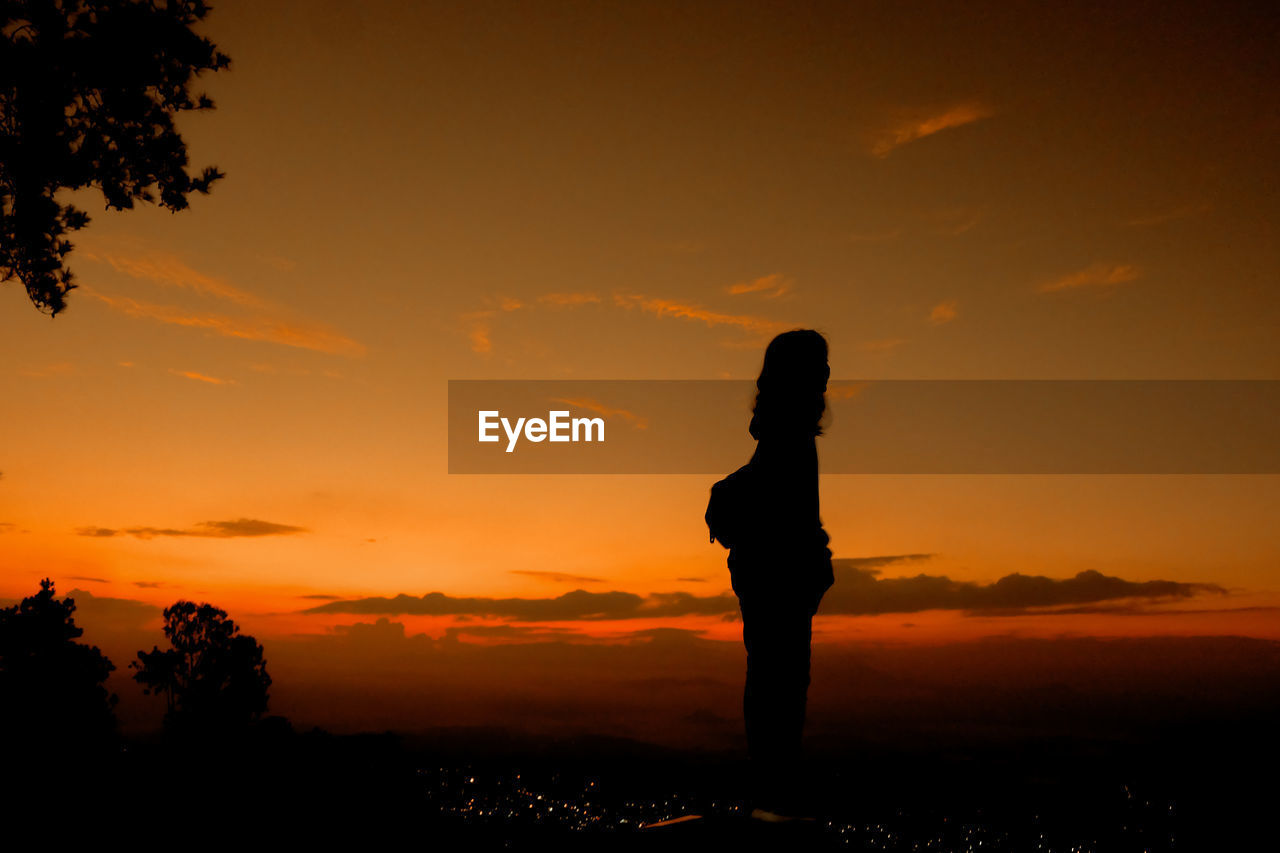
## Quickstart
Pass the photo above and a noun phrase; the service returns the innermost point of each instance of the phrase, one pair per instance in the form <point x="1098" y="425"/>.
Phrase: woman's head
<point x="793" y="383"/>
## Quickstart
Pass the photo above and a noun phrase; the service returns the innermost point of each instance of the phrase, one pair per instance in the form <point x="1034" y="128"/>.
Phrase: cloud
<point x="478" y="325"/>
<point x="944" y="312"/>
<point x="168" y="270"/>
<point x="869" y="563"/>
<point x="118" y="613"/>
<point x="1094" y="276"/>
<point x="686" y="311"/>
<point x="874" y="236"/>
<point x="278" y="263"/>
<point x="234" y="529"/>
<point x="846" y="390"/>
<point x="771" y="286"/>
<point x="478" y="331"/>
<point x="61" y="368"/>
<point x="261" y="328"/>
<point x="600" y="408"/>
<point x="569" y="299"/>
<point x="952" y="222"/>
<point x="919" y="127"/>
<point x="556" y="577"/>
<point x="1161" y="218"/>
<point x="858" y="591"/>
<point x="87" y="579"/>
<point x="571" y="606"/>
<point x="512" y="633"/>
<point x="200" y="377"/>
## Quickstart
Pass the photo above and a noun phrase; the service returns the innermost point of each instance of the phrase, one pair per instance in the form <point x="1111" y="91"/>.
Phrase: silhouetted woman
<point x="779" y="562"/>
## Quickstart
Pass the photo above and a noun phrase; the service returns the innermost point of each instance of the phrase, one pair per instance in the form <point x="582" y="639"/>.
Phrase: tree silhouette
<point x="88" y="93"/>
<point x="213" y="678"/>
<point x="51" y="687"/>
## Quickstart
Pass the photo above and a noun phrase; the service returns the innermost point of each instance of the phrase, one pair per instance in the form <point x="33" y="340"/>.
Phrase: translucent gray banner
<point x="872" y="427"/>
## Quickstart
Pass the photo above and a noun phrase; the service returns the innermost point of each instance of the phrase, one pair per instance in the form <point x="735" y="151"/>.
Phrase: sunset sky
<point x="245" y="403"/>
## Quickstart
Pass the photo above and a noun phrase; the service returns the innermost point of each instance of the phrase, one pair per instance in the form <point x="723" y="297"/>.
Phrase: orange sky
<point x="423" y="193"/>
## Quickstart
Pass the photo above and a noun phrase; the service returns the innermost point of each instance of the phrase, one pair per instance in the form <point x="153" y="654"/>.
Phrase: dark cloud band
<point x="858" y="592"/>
<point x="234" y="529"/>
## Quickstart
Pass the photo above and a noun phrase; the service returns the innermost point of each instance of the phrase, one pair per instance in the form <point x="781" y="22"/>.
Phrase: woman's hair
<point x="791" y="390"/>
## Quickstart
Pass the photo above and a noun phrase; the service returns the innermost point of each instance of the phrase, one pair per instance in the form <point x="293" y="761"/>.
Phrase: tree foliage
<point x="213" y="677"/>
<point x="51" y="687"/>
<point x="88" y="94"/>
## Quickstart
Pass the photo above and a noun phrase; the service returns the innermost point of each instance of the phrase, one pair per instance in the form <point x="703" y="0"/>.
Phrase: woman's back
<point x="785" y="547"/>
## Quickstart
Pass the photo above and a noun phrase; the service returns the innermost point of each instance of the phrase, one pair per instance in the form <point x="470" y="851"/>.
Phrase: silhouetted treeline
<point x="213" y="678"/>
<point x="52" y="688"/>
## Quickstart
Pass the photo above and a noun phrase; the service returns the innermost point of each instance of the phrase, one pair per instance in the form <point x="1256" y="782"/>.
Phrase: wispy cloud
<point x="234" y="529"/>
<point x="260" y="328"/>
<point x="278" y="263"/>
<point x="556" y="577"/>
<point x="846" y="390"/>
<point x="920" y="126"/>
<point x="1094" y="276"/>
<point x="168" y="270"/>
<point x="599" y="408"/>
<point x="478" y="325"/>
<point x="771" y="286"/>
<point x="569" y="299"/>
<point x="61" y="368"/>
<point x="881" y="236"/>
<point x="200" y="377"/>
<point x="268" y="323"/>
<point x="479" y="330"/>
<point x="1182" y="212"/>
<point x="944" y="312"/>
<point x="952" y="222"/>
<point x="686" y="311"/>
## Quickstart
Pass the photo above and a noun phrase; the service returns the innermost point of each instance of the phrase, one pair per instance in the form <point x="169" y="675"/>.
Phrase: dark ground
<point x="487" y="789"/>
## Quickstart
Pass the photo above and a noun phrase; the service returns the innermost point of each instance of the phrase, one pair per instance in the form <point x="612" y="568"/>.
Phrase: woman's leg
<point x="776" y="633"/>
